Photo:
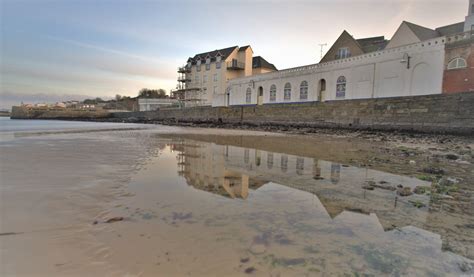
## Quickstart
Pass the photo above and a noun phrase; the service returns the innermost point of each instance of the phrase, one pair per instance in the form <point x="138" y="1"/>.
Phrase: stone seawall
<point x="430" y="114"/>
<point x="44" y="113"/>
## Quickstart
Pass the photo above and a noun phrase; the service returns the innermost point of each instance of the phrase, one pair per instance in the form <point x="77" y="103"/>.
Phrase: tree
<point x="118" y="97"/>
<point x="152" y="93"/>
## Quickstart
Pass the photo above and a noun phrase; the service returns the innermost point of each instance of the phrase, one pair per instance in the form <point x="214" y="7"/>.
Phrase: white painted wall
<point x="374" y="75"/>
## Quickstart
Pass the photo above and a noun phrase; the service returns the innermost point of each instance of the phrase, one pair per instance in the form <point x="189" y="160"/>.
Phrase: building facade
<point x="416" y="61"/>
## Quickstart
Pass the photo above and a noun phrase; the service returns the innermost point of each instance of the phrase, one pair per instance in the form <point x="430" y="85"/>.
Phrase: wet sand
<point x="209" y="202"/>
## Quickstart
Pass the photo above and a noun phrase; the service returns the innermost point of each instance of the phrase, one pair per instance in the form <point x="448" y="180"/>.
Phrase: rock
<point x="244" y="260"/>
<point x="404" y="191"/>
<point x="318" y="178"/>
<point x="421" y="189"/>
<point x="250" y="270"/>
<point x="95" y="222"/>
<point x="451" y="157"/>
<point x="412" y="162"/>
<point x="368" y="187"/>
<point x="465" y="266"/>
<point x="433" y="170"/>
<point x="114" y="219"/>
<point x="384" y="185"/>
<point x="258" y="249"/>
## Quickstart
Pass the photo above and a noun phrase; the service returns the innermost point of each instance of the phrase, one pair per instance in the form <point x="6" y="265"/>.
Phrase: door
<point x="322" y="90"/>
<point x="260" y="96"/>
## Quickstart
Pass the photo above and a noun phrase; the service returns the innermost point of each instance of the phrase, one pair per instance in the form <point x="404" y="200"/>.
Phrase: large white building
<point x="412" y="63"/>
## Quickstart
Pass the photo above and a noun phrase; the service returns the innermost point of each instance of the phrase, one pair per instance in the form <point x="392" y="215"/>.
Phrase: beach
<point x="117" y="199"/>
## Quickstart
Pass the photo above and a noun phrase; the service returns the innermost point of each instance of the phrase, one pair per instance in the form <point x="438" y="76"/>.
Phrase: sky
<point x="55" y="50"/>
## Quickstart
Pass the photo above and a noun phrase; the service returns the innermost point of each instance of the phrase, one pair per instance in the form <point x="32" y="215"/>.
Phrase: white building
<point x="414" y="69"/>
<point x="411" y="63"/>
<point x="153" y="104"/>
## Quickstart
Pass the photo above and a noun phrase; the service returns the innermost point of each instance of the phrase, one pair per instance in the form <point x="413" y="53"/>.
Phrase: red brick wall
<point x="459" y="80"/>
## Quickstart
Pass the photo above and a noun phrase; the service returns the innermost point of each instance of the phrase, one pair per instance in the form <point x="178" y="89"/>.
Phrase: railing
<point x="184" y="69"/>
<point x="184" y="79"/>
<point x="235" y="65"/>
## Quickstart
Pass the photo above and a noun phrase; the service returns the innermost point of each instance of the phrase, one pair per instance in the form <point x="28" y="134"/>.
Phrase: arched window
<point x="287" y="92"/>
<point x="248" y="96"/>
<point x="273" y="93"/>
<point x="457" y="63"/>
<point x="304" y="90"/>
<point x="341" y="87"/>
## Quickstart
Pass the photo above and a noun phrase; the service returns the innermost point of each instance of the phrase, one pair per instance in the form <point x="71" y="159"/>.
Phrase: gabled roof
<point x="259" y="62"/>
<point x="243" y="48"/>
<point x="366" y="45"/>
<point x="372" y="44"/>
<point x="451" y="29"/>
<point x="224" y="53"/>
<point x="421" y="32"/>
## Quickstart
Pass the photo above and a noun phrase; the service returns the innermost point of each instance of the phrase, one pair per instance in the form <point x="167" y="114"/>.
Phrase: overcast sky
<point x="58" y="50"/>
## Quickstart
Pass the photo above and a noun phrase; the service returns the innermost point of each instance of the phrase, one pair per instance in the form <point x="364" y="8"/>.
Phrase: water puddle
<point x="203" y="208"/>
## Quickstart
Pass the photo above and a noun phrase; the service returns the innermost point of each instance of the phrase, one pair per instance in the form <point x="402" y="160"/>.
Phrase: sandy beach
<point x="102" y="199"/>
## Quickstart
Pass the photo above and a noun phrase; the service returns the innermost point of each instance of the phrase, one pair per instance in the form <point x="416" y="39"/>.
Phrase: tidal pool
<point x="224" y="205"/>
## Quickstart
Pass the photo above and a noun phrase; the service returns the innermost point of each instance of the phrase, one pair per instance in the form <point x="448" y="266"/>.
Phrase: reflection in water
<point x="379" y="217"/>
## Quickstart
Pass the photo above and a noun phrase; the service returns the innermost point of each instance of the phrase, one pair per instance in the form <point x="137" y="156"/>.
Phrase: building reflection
<point x="235" y="172"/>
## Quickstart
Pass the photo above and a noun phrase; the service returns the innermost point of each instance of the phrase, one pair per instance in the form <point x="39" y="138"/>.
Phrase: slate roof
<point x="421" y="32"/>
<point x="451" y="29"/>
<point x="243" y="48"/>
<point x="372" y="44"/>
<point x="225" y="52"/>
<point x="259" y="62"/>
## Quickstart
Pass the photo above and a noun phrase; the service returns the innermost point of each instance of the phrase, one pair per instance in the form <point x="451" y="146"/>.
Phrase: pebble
<point x="258" y="249"/>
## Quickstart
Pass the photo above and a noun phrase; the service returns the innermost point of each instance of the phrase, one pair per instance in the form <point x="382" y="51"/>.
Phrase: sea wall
<point x="19" y="112"/>
<point x="431" y="114"/>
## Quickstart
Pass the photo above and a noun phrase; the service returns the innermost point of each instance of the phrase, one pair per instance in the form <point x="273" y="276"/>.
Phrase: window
<point x="218" y="64"/>
<point x="341" y="87"/>
<point x="273" y="93"/>
<point x="343" y="53"/>
<point x="196" y="79"/>
<point x="215" y="78"/>
<point x="284" y="163"/>
<point x="248" y="96"/>
<point x="457" y="63"/>
<point x="270" y="160"/>
<point x="198" y="67"/>
<point x="287" y="92"/>
<point x="215" y="90"/>
<point x="299" y="166"/>
<point x="204" y="79"/>
<point x="304" y="90"/>
<point x="208" y="66"/>
<point x="246" y="156"/>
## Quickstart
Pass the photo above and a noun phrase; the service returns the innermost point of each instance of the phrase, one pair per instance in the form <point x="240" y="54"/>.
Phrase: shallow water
<point x="197" y="204"/>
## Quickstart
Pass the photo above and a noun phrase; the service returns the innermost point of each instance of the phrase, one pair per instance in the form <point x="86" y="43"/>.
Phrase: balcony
<point x="184" y="79"/>
<point x="184" y="69"/>
<point x="235" y="65"/>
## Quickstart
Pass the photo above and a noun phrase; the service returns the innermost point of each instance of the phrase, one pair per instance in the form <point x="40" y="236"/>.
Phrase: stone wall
<point x="431" y="113"/>
<point x="45" y="113"/>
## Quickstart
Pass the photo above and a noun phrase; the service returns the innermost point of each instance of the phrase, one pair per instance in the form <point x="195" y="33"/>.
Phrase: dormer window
<point x="218" y="58"/>
<point x="343" y="53"/>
